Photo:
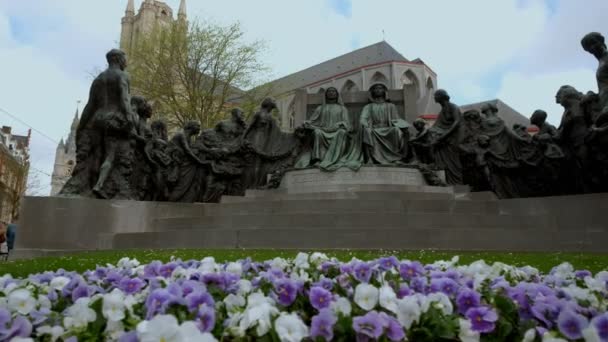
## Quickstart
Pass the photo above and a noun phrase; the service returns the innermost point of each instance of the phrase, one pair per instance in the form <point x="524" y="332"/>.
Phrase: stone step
<point x="479" y="238"/>
<point x="351" y="220"/>
<point x="341" y="195"/>
<point x="352" y="188"/>
<point x="355" y="204"/>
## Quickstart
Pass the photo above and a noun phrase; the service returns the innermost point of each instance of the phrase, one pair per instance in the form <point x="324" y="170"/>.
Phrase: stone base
<point x="367" y="175"/>
<point x="322" y="215"/>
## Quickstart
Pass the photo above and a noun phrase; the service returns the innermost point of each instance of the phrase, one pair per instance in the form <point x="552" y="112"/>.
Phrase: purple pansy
<point x="409" y="270"/>
<point x="571" y="324"/>
<point x="131" y="285"/>
<point x="370" y="325"/>
<point x="322" y="325"/>
<point x="319" y="297"/>
<point x="482" y="318"/>
<point x="362" y="272"/>
<point x="285" y="291"/>
<point x="467" y="299"/>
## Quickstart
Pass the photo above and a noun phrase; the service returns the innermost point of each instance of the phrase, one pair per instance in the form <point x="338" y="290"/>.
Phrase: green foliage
<point x="197" y="72"/>
<point x="434" y="326"/>
<point x="89" y="260"/>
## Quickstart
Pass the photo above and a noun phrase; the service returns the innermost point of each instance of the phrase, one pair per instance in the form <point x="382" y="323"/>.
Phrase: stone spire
<point x="182" y="13"/>
<point x="130" y="12"/>
<point x="75" y="120"/>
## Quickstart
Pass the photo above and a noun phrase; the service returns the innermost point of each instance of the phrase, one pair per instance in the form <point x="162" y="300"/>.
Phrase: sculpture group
<point x="120" y="155"/>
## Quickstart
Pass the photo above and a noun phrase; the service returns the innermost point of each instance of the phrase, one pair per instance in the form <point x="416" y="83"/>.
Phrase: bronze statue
<point x="188" y="174"/>
<point x="332" y="135"/>
<point x="421" y="143"/>
<point x="595" y="44"/>
<point x="104" y="134"/>
<point x="385" y="134"/>
<point x="270" y="147"/>
<point x="571" y="135"/>
<point x="447" y="135"/>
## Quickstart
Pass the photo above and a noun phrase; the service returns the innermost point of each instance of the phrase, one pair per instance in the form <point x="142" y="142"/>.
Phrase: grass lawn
<point x="85" y="261"/>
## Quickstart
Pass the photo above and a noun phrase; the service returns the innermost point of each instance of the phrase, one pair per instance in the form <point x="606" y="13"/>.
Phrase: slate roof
<point x="373" y="54"/>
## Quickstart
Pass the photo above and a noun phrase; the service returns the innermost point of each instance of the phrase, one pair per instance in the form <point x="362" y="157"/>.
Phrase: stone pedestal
<point x="367" y="175"/>
<point x="374" y="208"/>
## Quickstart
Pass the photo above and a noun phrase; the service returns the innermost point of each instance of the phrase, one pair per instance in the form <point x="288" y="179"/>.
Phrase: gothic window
<point x="292" y="115"/>
<point x="379" y="78"/>
<point x="429" y="84"/>
<point x="321" y="91"/>
<point x="408" y="78"/>
<point x="349" y="87"/>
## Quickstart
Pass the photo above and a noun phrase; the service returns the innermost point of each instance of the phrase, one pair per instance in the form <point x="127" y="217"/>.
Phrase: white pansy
<point x="388" y="298"/>
<point x="341" y="306"/>
<point x="581" y="294"/>
<point x="21" y="339"/>
<point x="54" y="332"/>
<point x="563" y="271"/>
<point x="318" y="258"/>
<point x="113" y="307"/>
<point x="440" y="301"/>
<point x="408" y="311"/>
<point x="4" y="279"/>
<point x="245" y="287"/>
<point x="301" y="261"/>
<point x="79" y="314"/>
<point x="300" y="275"/>
<point x="128" y="263"/>
<point x="279" y="263"/>
<point x="530" y="335"/>
<point x="190" y="333"/>
<point x="115" y="329"/>
<point x="548" y="337"/>
<point x="58" y="283"/>
<point x="443" y="264"/>
<point x="208" y="265"/>
<point x="290" y="328"/>
<point x="139" y="270"/>
<point x="179" y="273"/>
<point x="235" y="268"/>
<point x="161" y="328"/>
<point x="234" y="302"/>
<point x="44" y="302"/>
<point x="590" y="334"/>
<point x="232" y="324"/>
<point x="21" y="301"/>
<point x="366" y="296"/>
<point x="466" y="333"/>
<point x="259" y="313"/>
<point x="595" y="284"/>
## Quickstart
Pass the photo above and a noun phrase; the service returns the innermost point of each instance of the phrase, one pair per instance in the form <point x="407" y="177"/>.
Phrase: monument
<point x="348" y="171"/>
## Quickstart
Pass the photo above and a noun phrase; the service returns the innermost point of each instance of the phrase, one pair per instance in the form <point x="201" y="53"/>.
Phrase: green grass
<point x="85" y="261"/>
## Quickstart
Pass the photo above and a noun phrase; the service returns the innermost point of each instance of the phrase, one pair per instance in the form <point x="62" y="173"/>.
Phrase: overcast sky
<point x="520" y="51"/>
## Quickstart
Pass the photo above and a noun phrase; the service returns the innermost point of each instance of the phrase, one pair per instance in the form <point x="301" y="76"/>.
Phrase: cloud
<point x="343" y="7"/>
<point x="557" y="46"/>
<point x="526" y="93"/>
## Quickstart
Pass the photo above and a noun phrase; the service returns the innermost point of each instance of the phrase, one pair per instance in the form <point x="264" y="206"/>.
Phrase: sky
<point x="520" y="51"/>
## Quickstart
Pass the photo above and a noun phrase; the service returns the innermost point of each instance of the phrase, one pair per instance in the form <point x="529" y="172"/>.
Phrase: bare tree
<point x="197" y="72"/>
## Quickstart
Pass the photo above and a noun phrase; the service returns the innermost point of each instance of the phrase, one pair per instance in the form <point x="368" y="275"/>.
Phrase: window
<point x="349" y="87"/>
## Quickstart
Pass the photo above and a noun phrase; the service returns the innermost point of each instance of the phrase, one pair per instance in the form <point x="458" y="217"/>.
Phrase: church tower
<point x="65" y="158"/>
<point x="151" y="13"/>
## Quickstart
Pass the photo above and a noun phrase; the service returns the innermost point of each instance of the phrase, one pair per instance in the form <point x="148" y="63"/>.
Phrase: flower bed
<point x="311" y="297"/>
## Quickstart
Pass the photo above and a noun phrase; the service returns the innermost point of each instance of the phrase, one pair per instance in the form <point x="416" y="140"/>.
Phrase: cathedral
<point x="354" y="71"/>
<point x="65" y="158"/>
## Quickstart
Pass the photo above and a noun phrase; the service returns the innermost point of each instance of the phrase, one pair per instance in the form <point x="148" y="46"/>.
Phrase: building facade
<point x="357" y="71"/>
<point x="65" y="158"/>
<point x="14" y="169"/>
